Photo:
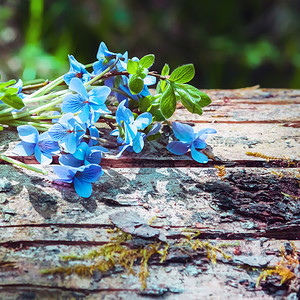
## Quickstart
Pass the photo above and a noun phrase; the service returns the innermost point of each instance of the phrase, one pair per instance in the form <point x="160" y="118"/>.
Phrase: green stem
<point x="38" y="126"/>
<point x="48" y="105"/>
<point x="101" y="74"/>
<point x="168" y="123"/>
<point x="47" y="88"/>
<point x="108" y="117"/>
<point x="46" y="117"/>
<point x="22" y="165"/>
<point x="122" y="93"/>
<point x="45" y="97"/>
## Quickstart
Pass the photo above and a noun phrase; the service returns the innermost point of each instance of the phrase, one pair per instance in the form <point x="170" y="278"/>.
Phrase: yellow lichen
<point x="221" y="171"/>
<point x="268" y="157"/>
<point x="264" y="156"/>
<point x="197" y="244"/>
<point x="285" y="268"/>
<point x="114" y="253"/>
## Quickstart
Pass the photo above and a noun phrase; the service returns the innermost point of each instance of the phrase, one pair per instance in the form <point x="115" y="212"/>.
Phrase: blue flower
<point x="68" y="131"/>
<point x="84" y="155"/>
<point x="129" y="127"/>
<point x="189" y="140"/>
<point x="93" y="101"/>
<point x="32" y="143"/>
<point x="19" y="86"/>
<point x="77" y="70"/>
<point x="82" y="177"/>
<point x="107" y="58"/>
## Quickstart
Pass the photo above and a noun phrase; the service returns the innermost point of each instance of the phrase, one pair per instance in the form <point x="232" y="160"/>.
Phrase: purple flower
<point x="84" y="155"/>
<point x="132" y="137"/>
<point x="32" y="143"/>
<point x="82" y="177"/>
<point x="77" y="70"/>
<point x="189" y="140"/>
<point x="68" y="131"/>
<point x="91" y="102"/>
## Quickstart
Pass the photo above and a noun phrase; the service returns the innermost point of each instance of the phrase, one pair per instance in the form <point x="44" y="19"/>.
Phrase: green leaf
<point x="147" y="61"/>
<point x="7" y="83"/>
<point x="145" y="104"/>
<point x="142" y="73"/>
<point x="183" y="74"/>
<point x="195" y="93"/>
<point x="156" y="113"/>
<point x="136" y="84"/>
<point x="166" y="70"/>
<point x="132" y="66"/>
<point x="168" y="102"/>
<point x="12" y="100"/>
<point x="190" y="103"/>
<point x="205" y="100"/>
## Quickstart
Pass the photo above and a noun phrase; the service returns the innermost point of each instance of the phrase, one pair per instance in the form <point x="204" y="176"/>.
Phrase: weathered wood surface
<point x="41" y="220"/>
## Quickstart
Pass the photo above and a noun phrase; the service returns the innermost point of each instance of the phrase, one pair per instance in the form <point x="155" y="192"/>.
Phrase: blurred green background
<point x="231" y="43"/>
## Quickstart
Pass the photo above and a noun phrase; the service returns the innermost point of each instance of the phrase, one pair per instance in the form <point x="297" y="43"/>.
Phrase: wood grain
<point x="255" y="205"/>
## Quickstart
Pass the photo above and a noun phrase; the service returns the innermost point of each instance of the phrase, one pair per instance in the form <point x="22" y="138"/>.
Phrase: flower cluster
<point x="90" y="98"/>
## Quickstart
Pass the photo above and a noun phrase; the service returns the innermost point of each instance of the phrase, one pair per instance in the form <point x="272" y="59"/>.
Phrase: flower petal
<point x="99" y="67"/>
<point x="183" y="132"/>
<point x="42" y="158"/>
<point x="124" y="114"/>
<point x="90" y="173"/>
<point x="149" y="80"/>
<point x="85" y="113"/>
<point x="77" y="86"/>
<point x="94" y="133"/>
<point x="143" y="120"/>
<point x="65" y="173"/>
<point x="178" y="148"/>
<point x="155" y="129"/>
<point x="46" y="145"/>
<point x="138" y="143"/>
<point x="122" y="149"/>
<point x="82" y="188"/>
<point x="99" y="95"/>
<point x="57" y="132"/>
<point x="94" y="157"/>
<point x="82" y="151"/>
<point x="202" y="134"/>
<point x="28" y="133"/>
<point x="69" y="160"/>
<point x="68" y="77"/>
<point x="70" y="143"/>
<point x="199" y="144"/>
<point x="198" y="156"/>
<point x="75" y="66"/>
<point x="24" y="149"/>
<point x="72" y="103"/>
<point x="115" y="132"/>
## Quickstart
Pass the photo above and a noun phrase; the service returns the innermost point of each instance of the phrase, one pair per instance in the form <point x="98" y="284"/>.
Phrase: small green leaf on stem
<point x="147" y="61"/>
<point x="190" y="103"/>
<point x="168" y="102"/>
<point x="136" y="84"/>
<point x="132" y="66"/>
<point x="183" y="74"/>
<point x="202" y="99"/>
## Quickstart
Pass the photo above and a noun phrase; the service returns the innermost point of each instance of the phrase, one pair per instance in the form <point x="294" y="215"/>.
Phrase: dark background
<point x="232" y="43"/>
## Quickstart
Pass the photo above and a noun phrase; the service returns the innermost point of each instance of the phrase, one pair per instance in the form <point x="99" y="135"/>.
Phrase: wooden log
<point x="255" y="204"/>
